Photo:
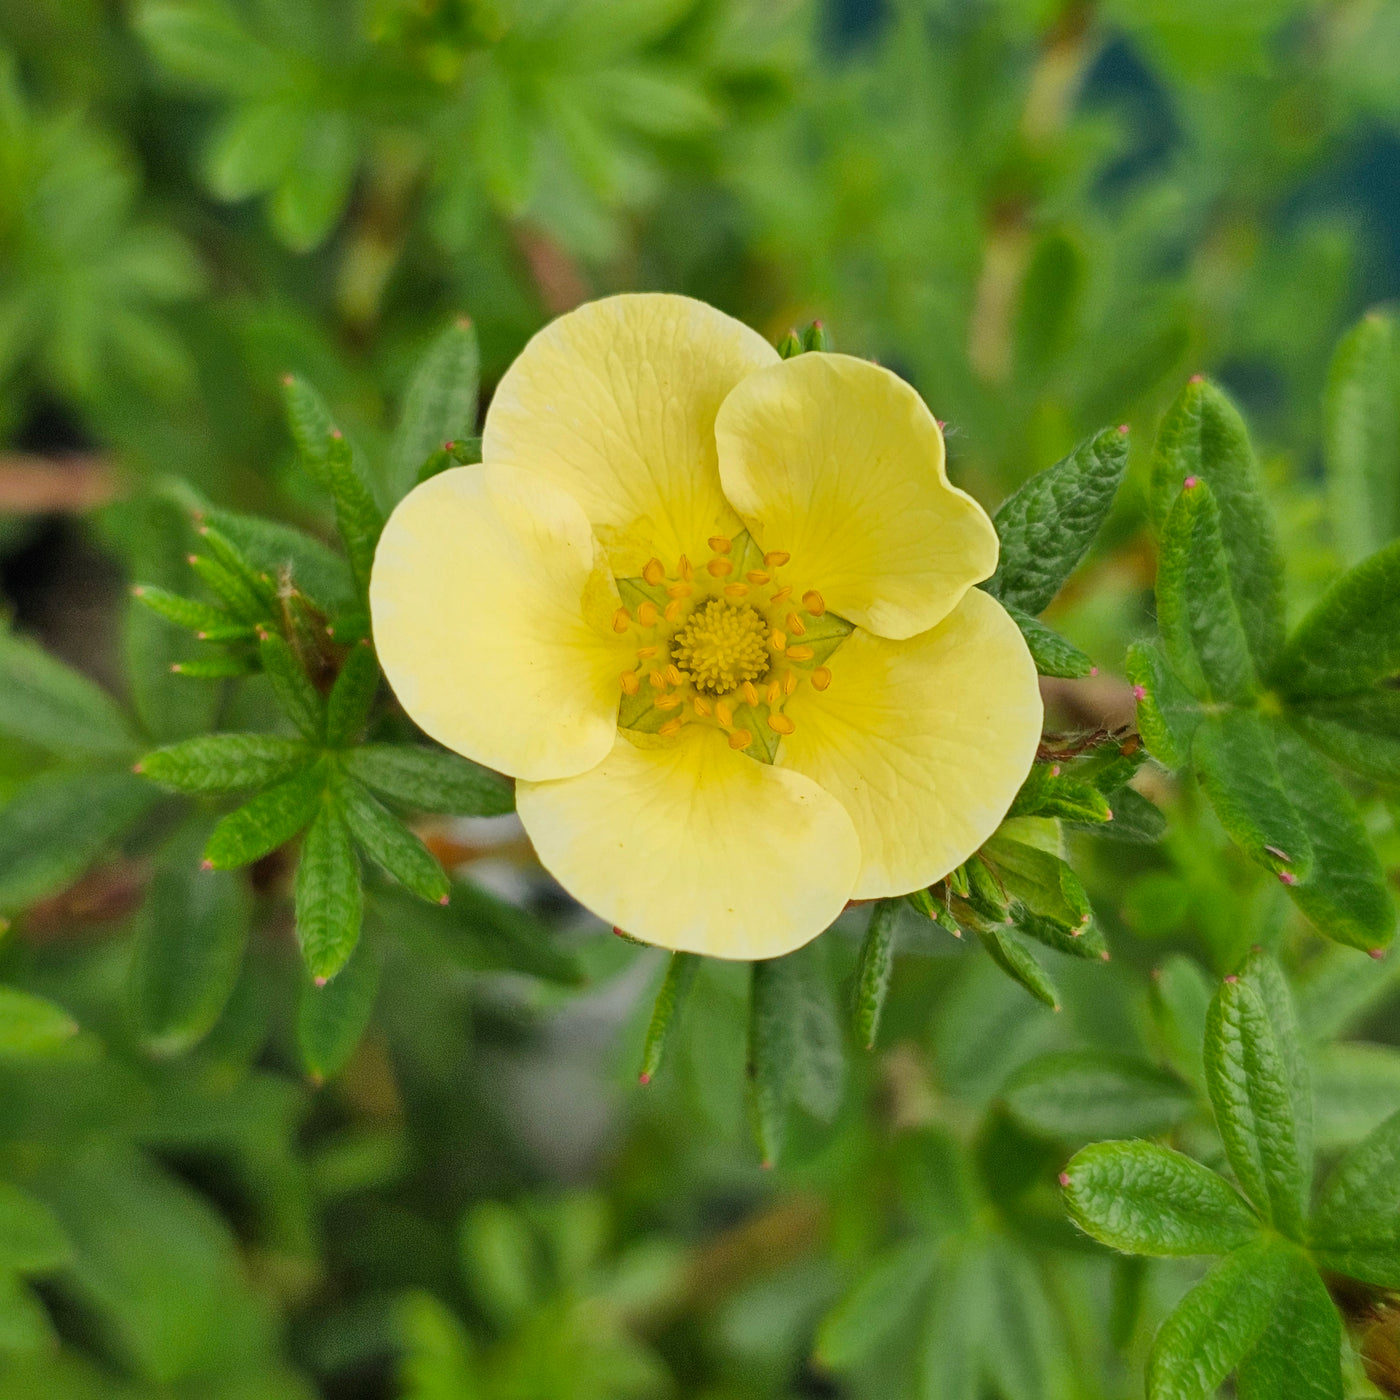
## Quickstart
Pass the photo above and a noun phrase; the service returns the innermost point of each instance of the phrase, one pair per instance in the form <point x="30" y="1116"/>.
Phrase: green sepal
<point x="1016" y="960"/>
<point x="1050" y="793"/>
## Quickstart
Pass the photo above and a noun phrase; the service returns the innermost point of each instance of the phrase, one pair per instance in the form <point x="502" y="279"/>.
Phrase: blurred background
<point x="1047" y="216"/>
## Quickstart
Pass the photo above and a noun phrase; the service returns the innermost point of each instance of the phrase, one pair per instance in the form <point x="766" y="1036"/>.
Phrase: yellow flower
<point x="715" y="611"/>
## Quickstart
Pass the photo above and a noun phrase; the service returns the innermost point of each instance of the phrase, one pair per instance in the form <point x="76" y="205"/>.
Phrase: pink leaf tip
<point x="1191" y="483"/>
<point x="1197" y="379"/>
<point x="138" y="767"/>
<point x="1377" y="953"/>
<point x="448" y="445"/>
<point x="1104" y="956"/>
<point x="337" y="434"/>
<point x="1287" y="877"/>
<point x="446" y="899"/>
<point x="1064" y="1178"/>
<point x="289" y="380"/>
<point x="1232" y="979"/>
<point x="644" y="1078"/>
<point x="1110" y="814"/>
<point x="320" y="981"/>
<point x="1093" y="670"/>
<point x="1122" y="427"/>
<point x="1054" y="770"/>
<point x="138" y="591"/>
<point x="766" y="1165"/>
<point x="1139" y="692"/>
<point x="206" y="865"/>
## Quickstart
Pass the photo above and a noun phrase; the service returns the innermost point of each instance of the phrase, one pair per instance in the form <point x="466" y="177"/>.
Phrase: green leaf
<point x="876" y="968"/>
<point x="183" y="612"/>
<point x="25" y="1325"/>
<point x="48" y="703"/>
<point x="1238" y="758"/>
<point x="55" y="826"/>
<point x="288" y="555"/>
<point x="311" y="424"/>
<point x="498" y="1259"/>
<point x="431" y="780"/>
<point x="1350" y="640"/>
<point x="31" y="1239"/>
<point x="329" y="900"/>
<point x="666" y="1013"/>
<point x="1014" y="959"/>
<point x="248" y="590"/>
<point x="252" y="148"/>
<point x="1202" y="627"/>
<point x="1053" y="654"/>
<point x="1361" y="436"/>
<point x="225" y="762"/>
<point x="877" y="1307"/>
<point x="960" y="1317"/>
<point x="1361" y="732"/>
<point x="436" y="1359"/>
<point x="440" y="405"/>
<point x="32" y="1028"/>
<point x="1048" y="793"/>
<point x="1251" y="1092"/>
<point x="191" y="935"/>
<point x="1047" y="902"/>
<point x="1203" y="436"/>
<point x="1263" y="975"/>
<point x="1345" y="893"/>
<point x="1356" y="1087"/>
<point x="357" y="517"/>
<point x="390" y="844"/>
<point x="1144" y="1199"/>
<point x="1047" y="526"/>
<point x="352" y="695"/>
<point x="1081" y="1095"/>
<point x="331" y="1019"/>
<point x="1167" y="713"/>
<point x="1218" y="1322"/>
<point x="1356" y="1226"/>
<point x="313" y="193"/>
<point x="270" y="820"/>
<point x="1299" y="1352"/>
<point x="295" y="693"/>
<point x="205" y="45"/>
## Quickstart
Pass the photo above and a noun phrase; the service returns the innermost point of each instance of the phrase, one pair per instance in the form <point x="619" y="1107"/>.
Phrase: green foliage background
<point x="999" y="1167"/>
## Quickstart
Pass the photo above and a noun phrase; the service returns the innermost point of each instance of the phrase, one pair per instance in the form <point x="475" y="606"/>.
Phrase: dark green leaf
<point x="329" y="900"/>
<point x="1299" y="1353"/>
<point x="1134" y="818"/>
<point x="1350" y="640"/>
<point x="1167" y="713"/>
<point x="225" y="762"/>
<point x="1263" y="975"/>
<point x="1361" y="732"/>
<point x="1080" y="1095"/>
<point x="666" y="1013"/>
<point x="960" y="1317"/>
<point x="183" y="612"/>
<point x="431" y="780"/>
<point x="1053" y="654"/>
<point x="877" y="1306"/>
<point x="1047" y="902"/>
<point x="1014" y="959"/>
<point x="352" y="695"/>
<point x="1047" y="526"/>
<point x="31" y="1027"/>
<point x="772" y="1045"/>
<point x="356" y="515"/>
<point x="48" y="703"/>
<point x="1146" y="1199"/>
<point x="31" y="1239"/>
<point x="1356" y="1227"/>
<point x="1203" y="436"/>
<point x="55" y="826"/>
<point x="1049" y="793"/>
<point x="331" y="1019"/>
<point x="876" y="968"/>
<point x="287" y="555"/>
<point x="440" y="405"/>
<point x="270" y="820"/>
<point x="294" y="691"/>
<point x="390" y="844"/>
<point x="1197" y="610"/>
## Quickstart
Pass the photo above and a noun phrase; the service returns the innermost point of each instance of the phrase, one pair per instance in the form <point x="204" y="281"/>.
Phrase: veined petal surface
<point x="695" y="847"/>
<point x="840" y="463"/>
<point x="478" y="596"/>
<point x="615" y="402"/>
<point x="925" y="741"/>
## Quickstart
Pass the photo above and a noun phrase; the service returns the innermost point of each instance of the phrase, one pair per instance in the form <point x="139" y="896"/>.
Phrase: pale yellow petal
<point x="478" y="599"/>
<point x="924" y="741"/>
<point x="696" y="847"/>
<point x="839" y="462"/>
<point x="616" y="403"/>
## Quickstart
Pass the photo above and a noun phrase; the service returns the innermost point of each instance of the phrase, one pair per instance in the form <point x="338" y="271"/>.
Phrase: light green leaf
<point x="1356" y="1226"/>
<point x="876" y="968"/>
<point x="957" y="1327"/>
<point x="1081" y="1095"/>
<point x="31" y="1239"/>
<point x="666" y="1012"/>
<point x="48" y="703"/>
<point x="329" y="900"/>
<point x="1299" y="1352"/>
<point x="31" y="1027"/>
<point x="1047" y="526"/>
<point x="1046" y="793"/>
<point x="314" y="191"/>
<point x="436" y="1358"/>
<point x="499" y="1262"/>
<point x="878" y="1304"/>
<point x="270" y="820"/>
<point x="331" y="1019"/>
<point x="1218" y="1322"/>
<point x="225" y="762"/>
<point x="25" y="1324"/>
<point x="1167" y="713"/>
<point x="1356" y="1087"/>
<point x="1263" y="975"/>
<point x="772" y="1046"/>
<point x="390" y="844"/>
<point x="431" y="780"/>
<point x="1053" y="654"/>
<point x="253" y="147"/>
<point x="1047" y="901"/>
<point x="357" y="517"/>
<point x="440" y="405"/>
<point x="202" y="42"/>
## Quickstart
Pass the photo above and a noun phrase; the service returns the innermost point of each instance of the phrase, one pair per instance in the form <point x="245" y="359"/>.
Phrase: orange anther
<point x="724" y="712"/>
<point x="740" y="739"/>
<point x="814" y="602"/>
<point x="672" y="726"/>
<point x="736" y="590"/>
<point x="684" y="569"/>
<point x="654" y="571"/>
<point x="758" y="577"/>
<point x="790" y="682"/>
<point x="679" y="590"/>
<point x="750" y="692"/>
<point x="776" y="558"/>
<point x="658" y="681"/>
<point x="781" y="596"/>
<point x="702" y="706"/>
<point x="647" y="614"/>
<point x="777" y="640"/>
<point x="673" y="674"/>
<point x="673" y="610"/>
<point x="646" y="653"/>
<point x="775" y="692"/>
<point x="719" y="567"/>
<point x="795" y="625"/>
<point x="800" y="653"/>
<point x="721" y="544"/>
<point x="669" y="701"/>
<point x="630" y="683"/>
<point x="622" y="620"/>
<point x="780" y="724"/>
<point x="821" y="678"/>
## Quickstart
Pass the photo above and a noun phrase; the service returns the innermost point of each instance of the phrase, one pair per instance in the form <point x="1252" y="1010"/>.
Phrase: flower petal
<point x="693" y="846"/>
<point x="478" y="597"/>
<point x="616" y="403"/>
<point x="839" y="462"/>
<point x="924" y="741"/>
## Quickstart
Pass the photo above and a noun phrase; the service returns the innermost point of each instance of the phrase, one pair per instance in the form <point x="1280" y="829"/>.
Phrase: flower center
<point x="721" y="646"/>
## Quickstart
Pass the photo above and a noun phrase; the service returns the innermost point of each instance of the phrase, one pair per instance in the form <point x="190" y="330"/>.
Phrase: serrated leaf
<point x="270" y="820"/>
<point x="1047" y="793"/>
<point x="1167" y="713"/>
<point x="225" y="762"/>
<point x="878" y="1304"/>
<point x="295" y="693"/>
<point x="1361" y="732"/>
<point x="217" y="667"/>
<point x="1015" y="959"/>
<point x="1202" y="628"/>
<point x="1144" y="1199"/>
<point x="1238" y="758"/>
<point x="32" y="1027"/>
<point x="431" y="780"/>
<point x="56" y="825"/>
<point x="183" y="612"/>
<point x="1361" y="436"/>
<point x="48" y="703"/>
<point x="876" y="968"/>
<point x="1356" y="1226"/>
<point x="190" y="940"/>
<point x="666" y="1012"/>
<point x="357" y="517"/>
<point x="32" y="1240"/>
<point x="1298" y="1355"/>
<point x="1135" y="818"/>
<point x="284" y="553"/>
<point x="1350" y="640"/>
<point x="390" y="844"/>
<point x="440" y="405"/>
<point x="1053" y="654"/>
<point x="1251" y="1092"/>
<point x="352" y="695"/>
<point x="1203" y="436"/>
<point x="311" y="426"/>
<point x="1047" y="901"/>
<point x="1047" y="526"/>
<point x="1080" y="1095"/>
<point x="1217" y="1323"/>
<point x="331" y="1019"/>
<point x="329" y="899"/>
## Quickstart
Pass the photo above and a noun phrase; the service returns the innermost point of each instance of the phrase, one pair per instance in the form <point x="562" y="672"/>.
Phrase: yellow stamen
<point x="630" y="683"/>
<point x="776" y="558"/>
<point x="750" y="692"/>
<point x="821" y="678"/>
<point x="724" y="712"/>
<point x="622" y="620"/>
<point x="777" y="640"/>
<point x="674" y="609"/>
<point x="670" y="701"/>
<point x="720" y="544"/>
<point x="780" y="724"/>
<point x="647" y="614"/>
<point x="702" y="706"/>
<point x="679" y="590"/>
<point x="775" y="692"/>
<point x="718" y="568"/>
<point x="758" y="577"/>
<point x="800" y="653"/>
<point x="740" y="739"/>
<point x="721" y="645"/>
<point x="795" y="625"/>
<point x="654" y="571"/>
<point x="672" y="726"/>
<point x="736" y="590"/>
<point x="814" y="603"/>
<point x="658" y="681"/>
<point x="790" y="682"/>
<point x="781" y="596"/>
<point x="684" y="569"/>
<point x="646" y="653"/>
<point x="673" y="674"/>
